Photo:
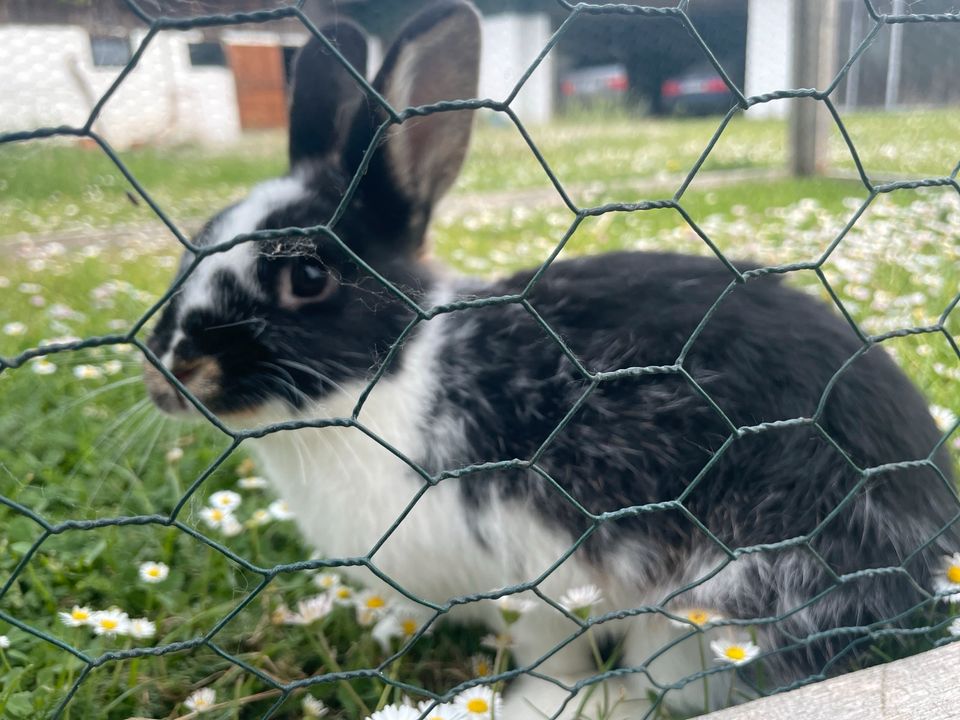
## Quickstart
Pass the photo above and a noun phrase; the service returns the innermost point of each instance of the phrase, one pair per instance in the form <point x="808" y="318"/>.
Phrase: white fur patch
<point x="240" y="260"/>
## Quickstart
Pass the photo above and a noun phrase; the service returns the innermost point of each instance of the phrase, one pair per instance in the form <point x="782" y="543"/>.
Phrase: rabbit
<point x="599" y="381"/>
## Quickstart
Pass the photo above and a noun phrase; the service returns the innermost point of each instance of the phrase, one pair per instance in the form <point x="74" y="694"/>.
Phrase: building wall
<point x="769" y="53"/>
<point x="510" y="43"/>
<point x="49" y="79"/>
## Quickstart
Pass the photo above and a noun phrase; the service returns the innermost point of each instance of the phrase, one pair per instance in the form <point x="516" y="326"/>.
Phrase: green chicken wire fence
<point x="282" y="691"/>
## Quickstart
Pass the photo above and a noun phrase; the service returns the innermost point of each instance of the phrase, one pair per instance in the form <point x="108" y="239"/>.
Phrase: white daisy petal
<point x="201" y="700"/>
<point x="479" y="702"/>
<point x="110" y="622"/>
<point x="734" y="652"/>
<point x="154" y="572"/>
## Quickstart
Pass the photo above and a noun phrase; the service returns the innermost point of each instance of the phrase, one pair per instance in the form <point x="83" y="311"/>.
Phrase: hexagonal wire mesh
<point x="855" y="637"/>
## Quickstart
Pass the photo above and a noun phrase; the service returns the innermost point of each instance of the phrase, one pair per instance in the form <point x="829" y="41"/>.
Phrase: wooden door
<point x="261" y="85"/>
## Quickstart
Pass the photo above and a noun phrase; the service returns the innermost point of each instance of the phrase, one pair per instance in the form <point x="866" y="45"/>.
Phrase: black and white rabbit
<point x="295" y="328"/>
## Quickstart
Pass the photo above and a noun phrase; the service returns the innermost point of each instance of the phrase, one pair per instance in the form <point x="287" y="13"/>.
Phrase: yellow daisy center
<point x="408" y="626"/>
<point x="478" y="705"/>
<point x="153" y="572"/>
<point x="953" y="574"/>
<point x="735" y="652"/>
<point x="80" y="615"/>
<point x="109" y="624"/>
<point x="483" y="668"/>
<point x="375" y="601"/>
<point x="343" y="593"/>
<point x="698" y="617"/>
<point x="216" y="515"/>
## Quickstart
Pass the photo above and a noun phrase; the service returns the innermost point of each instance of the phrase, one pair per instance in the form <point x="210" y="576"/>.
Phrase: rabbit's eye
<point x="308" y="281"/>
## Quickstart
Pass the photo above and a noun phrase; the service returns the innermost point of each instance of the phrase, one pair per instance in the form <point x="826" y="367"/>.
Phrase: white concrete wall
<point x="510" y="43"/>
<point x="48" y="78"/>
<point x="769" y="53"/>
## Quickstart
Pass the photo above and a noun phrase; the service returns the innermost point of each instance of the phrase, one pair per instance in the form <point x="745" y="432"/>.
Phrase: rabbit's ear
<point x="325" y="96"/>
<point x="435" y="58"/>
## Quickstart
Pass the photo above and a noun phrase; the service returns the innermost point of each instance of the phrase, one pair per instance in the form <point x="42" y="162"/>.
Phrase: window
<point x="109" y="51"/>
<point x="207" y="54"/>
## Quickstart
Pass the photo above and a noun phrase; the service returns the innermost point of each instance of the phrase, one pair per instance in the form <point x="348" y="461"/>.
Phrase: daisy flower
<point x="371" y="606"/>
<point x="112" y="367"/>
<point x="214" y="517"/>
<point x="310" y="610"/>
<point x="947" y="583"/>
<point x="580" y="600"/>
<point x="253" y="482"/>
<point x="697" y="616"/>
<point x="734" y="652"/>
<point x="42" y="366"/>
<point x="440" y="712"/>
<point x="327" y="580"/>
<point x="231" y="527"/>
<point x="77" y="617"/>
<point x="512" y="608"/>
<point x="342" y="595"/>
<point x="402" y="621"/>
<point x="479" y="702"/>
<point x="280" y="510"/>
<point x="225" y="500"/>
<point x="87" y="372"/>
<point x="154" y="572"/>
<point x="4" y="642"/>
<point x="110" y="622"/>
<point x="201" y="700"/>
<point x="259" y="517"/>
<point x="482" y="665"/>
<point x="174" y="455"/>
<point x="14" y="329"/>
<point x="313" y="708"/>
<point x="396" y="712"/>
<point x="944" y="417"/>
<point x="141" y="628"/>
<point x="954" y="628"/>
<point x="246" y="467"/>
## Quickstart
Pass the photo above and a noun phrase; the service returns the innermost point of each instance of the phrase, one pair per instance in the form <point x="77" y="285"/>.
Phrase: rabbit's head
<point x="287" y="319"/>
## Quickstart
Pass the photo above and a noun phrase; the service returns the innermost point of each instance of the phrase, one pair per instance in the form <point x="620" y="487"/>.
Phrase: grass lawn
<point x="80" y="442"/>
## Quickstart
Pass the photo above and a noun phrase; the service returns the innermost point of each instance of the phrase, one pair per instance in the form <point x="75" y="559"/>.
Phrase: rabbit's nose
<point x="183" y="370"/>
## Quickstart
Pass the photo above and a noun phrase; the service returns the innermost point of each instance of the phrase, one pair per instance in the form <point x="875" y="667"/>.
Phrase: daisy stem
<point x="327" y="654"/>
<point x="601" y="667"/>
<point x="498" y="661"/>
<point x="706" y="678"/>
<point x="255" y="541"/>
<point x="119" y="667"/>
<point x="6" y="662"/>
<point x="759" y="666"/>
<point x="387" y="687"/>
<point x="733" y="684"/>
<point x="134" y="672"/>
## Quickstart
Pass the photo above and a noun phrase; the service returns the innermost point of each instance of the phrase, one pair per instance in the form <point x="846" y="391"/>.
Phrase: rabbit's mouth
<point x="201" y="377"/>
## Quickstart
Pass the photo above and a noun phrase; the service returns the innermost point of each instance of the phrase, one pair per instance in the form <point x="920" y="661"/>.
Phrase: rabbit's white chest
<point x="354" y="494"/>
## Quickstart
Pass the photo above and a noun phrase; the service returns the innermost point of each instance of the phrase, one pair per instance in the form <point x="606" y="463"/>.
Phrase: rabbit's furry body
<point x="773" y="385"/>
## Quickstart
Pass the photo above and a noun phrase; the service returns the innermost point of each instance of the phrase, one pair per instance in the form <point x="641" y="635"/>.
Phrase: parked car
<point x="698" y="91"/>
<point x="594" y="83"/>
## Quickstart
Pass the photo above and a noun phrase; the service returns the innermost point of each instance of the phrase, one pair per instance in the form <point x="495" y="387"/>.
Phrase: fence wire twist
<point x="857" y="636"/>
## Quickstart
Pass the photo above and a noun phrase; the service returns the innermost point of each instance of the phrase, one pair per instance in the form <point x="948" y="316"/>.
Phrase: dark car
<point x="698" y="91"/>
